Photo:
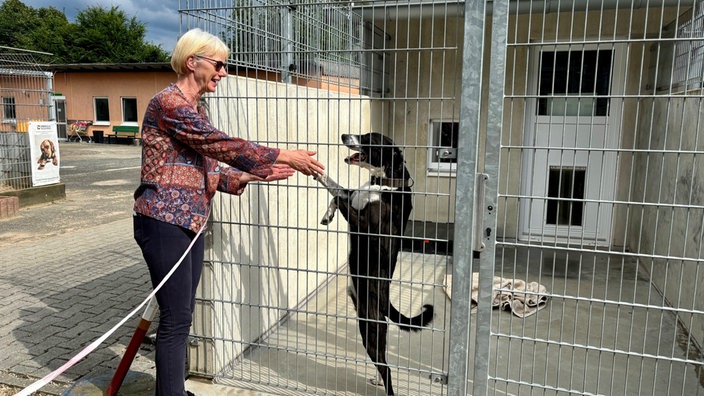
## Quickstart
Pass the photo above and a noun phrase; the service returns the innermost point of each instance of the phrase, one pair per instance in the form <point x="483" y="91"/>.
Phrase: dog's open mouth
<point x="356" y="158"/>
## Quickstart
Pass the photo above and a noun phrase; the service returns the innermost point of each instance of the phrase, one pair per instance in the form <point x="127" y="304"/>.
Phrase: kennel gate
<point x="580" y="121"/>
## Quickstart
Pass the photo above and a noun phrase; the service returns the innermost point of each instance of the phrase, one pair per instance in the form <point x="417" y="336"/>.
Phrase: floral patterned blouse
<point x="182" y="162"/>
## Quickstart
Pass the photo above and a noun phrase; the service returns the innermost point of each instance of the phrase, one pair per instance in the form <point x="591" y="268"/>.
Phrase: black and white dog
<point x="377" y="214"/>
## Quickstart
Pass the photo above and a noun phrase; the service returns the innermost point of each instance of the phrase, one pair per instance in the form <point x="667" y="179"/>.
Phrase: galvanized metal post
<point x="470" y="115"/>
<point x="287" y="38"/>
<point x="492" y="151"/>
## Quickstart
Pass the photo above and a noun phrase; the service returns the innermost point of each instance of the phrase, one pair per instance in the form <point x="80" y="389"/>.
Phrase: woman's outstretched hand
<point x="278" y="172"/>
<point x="302" y="161"/>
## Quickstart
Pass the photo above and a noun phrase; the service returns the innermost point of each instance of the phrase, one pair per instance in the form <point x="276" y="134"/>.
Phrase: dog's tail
<point x="411" y="324"/>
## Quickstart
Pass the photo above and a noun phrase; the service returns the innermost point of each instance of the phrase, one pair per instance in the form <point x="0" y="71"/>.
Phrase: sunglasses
<point x="218" y="64"/>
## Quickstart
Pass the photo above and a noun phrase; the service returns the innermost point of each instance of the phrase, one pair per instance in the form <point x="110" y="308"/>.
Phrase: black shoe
<point x="189" y="393"/>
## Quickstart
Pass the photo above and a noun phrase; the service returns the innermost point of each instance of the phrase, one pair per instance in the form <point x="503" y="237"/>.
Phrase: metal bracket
<point x="447" y="153"/>
<point x="479" y="195"/>
<point x="440" y="379"/>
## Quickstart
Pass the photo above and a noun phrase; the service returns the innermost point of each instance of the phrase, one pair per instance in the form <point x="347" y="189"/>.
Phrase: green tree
<point x="109" y="36"/>
<point x="99" y="35"/>
<point x="16" y="20"/>
<point x="51" y="32"/>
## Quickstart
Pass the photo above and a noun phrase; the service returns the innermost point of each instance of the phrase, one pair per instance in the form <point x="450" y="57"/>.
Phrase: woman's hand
<point x="302" y="161"/>
<point x="278" y="172"/>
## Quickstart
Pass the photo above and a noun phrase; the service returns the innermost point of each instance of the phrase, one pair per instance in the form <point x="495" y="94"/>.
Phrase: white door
<point x="572" y="129"/>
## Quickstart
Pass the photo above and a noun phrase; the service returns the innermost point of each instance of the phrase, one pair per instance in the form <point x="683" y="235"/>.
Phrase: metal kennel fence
<point x="557" y="209"/>
<point x="25" y="91"/>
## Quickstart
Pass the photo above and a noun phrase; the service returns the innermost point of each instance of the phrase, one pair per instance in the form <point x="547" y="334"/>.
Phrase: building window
<point x="102" y="111"/>
<point x="442" y="153"/>
<point x="129" y="110"/>
<point x="9" y="110"/>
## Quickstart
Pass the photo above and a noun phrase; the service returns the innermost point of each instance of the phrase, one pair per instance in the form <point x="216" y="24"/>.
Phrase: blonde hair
<point x="196" y="42"/>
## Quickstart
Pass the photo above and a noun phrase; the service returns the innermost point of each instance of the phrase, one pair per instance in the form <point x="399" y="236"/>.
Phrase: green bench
<point x="123" y="132"/>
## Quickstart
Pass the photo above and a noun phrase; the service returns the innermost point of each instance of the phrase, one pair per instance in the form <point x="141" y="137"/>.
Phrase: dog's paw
<point x="320" y="178"/>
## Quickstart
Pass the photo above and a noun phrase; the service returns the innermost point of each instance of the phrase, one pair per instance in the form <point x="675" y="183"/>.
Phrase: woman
<point x="181" y="171"/>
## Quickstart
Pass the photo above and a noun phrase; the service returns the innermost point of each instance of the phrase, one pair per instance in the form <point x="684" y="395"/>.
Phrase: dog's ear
<point x="51" y="144"/>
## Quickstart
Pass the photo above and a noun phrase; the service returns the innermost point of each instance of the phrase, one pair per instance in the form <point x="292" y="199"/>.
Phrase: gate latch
<point x="478" y="226"/>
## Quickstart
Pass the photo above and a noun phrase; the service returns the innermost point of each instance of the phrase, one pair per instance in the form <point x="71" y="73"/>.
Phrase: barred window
<point x="9" y="109"/>
<point x="442" y="155"/>
<point x="688" y="68"/>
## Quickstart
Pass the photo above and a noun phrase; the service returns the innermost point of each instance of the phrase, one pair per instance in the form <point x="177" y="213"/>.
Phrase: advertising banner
<point x="44" y="149"/>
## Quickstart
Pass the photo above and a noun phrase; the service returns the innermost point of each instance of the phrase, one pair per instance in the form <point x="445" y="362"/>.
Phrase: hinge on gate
<point x="440" y="379"/>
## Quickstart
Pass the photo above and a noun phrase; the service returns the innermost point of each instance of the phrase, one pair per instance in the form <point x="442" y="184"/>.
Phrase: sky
<point x="160" y="17"/>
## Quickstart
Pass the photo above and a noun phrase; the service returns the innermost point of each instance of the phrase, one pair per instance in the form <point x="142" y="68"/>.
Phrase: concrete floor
<point x="603" y="331"/>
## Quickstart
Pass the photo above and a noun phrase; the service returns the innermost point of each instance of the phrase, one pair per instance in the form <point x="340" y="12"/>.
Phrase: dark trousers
<point x="162" y="246"/>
